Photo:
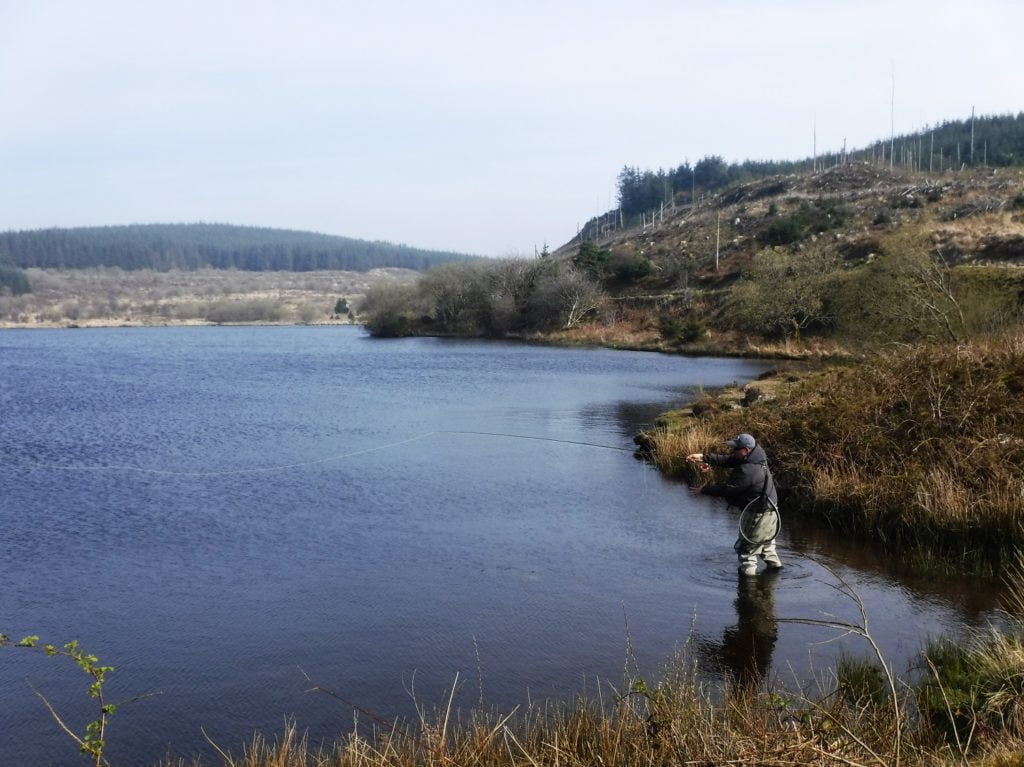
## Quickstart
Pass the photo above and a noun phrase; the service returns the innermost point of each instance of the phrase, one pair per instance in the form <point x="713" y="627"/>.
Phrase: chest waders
<point x="759" y="524"/>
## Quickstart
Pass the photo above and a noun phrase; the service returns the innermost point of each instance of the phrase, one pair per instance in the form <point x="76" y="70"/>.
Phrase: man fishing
<point x="751" y="480"/>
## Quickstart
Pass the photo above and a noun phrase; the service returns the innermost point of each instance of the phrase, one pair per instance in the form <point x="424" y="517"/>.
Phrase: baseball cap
<point x="743" y="440"/>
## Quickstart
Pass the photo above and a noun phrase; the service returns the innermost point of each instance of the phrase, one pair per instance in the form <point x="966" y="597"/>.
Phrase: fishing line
<point x="541" y="439"/>
<point x="223" y="472"/>
<point x="300" y="464"/>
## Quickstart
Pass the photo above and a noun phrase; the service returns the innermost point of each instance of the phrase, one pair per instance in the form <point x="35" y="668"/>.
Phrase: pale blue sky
<point x="488" y="127"/>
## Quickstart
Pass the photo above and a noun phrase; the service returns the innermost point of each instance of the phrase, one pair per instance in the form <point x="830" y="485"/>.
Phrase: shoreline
<point x="104" y="324"/>
<point x="784" y="352"/>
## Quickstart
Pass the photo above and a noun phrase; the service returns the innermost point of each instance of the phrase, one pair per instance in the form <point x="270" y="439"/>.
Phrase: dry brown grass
<point x="972" y="234"/>
<point x="678" y="722"/>
<point x="617" y="328"/>
<point x="919" y="445"/>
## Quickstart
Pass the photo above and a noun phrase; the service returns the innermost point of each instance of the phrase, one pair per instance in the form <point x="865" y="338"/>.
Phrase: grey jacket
<point x="747" y="478"/>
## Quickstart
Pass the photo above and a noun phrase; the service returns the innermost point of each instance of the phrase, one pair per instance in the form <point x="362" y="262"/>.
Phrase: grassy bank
<point x="918" y="446"/>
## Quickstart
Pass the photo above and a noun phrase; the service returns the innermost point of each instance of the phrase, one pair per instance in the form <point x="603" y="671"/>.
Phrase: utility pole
<point x="931" y="153"/>
<point x="718" y="235"/>
<point x="972" y="135"/>
<point x="814" y="165"/>
<point x="892" y="119"/>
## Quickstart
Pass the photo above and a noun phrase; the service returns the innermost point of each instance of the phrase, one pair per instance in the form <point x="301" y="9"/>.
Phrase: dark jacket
<point x="747" y="478"/>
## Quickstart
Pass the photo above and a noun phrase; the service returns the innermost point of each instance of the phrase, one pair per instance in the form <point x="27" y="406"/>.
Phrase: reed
<point x="679" y="721"/>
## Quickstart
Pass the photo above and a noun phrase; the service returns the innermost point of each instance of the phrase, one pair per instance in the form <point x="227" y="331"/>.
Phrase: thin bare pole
<point x="972" y="135"/>
<point x="718" y="236"/>
<point x="892" y="119"/>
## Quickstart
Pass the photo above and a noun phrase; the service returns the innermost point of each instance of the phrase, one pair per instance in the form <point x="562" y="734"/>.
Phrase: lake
<point x="216" y="510"/>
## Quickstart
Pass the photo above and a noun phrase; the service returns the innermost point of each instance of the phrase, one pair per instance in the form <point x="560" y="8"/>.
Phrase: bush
<point x="564" y="300"/>
<point x="681" y="330"/>
<point x="594" y="262"/>
<point x="785" y="231"/>
<point x="633" y="269"/>
<point x="390" y="310"/>
<point x="783" y="293"/>
<point x="13" y="280"/>
<point x="906" y="293"/>
<point x="978" y="684"/>
<point x="309" y="313"/>
<point x="255" y="310"/>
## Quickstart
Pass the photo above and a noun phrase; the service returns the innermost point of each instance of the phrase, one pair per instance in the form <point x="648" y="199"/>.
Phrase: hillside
<point x="811" y="263"/>
<point x="219" y="246"/>
<point x="854" y="253"/>
<point x="105" y="296"/>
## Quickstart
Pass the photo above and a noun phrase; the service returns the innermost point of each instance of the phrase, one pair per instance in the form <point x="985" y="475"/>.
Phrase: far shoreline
<point x="769" y="352"/>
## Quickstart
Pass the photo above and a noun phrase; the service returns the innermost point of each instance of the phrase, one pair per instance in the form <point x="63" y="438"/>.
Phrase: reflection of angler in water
<point x="745" y="651"/>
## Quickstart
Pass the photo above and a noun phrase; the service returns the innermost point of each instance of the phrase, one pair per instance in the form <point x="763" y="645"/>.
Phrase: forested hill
<point x="218" y="246"/>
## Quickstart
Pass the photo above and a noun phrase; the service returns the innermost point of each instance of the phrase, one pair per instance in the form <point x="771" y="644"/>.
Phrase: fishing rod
<point x="328" y="459"/>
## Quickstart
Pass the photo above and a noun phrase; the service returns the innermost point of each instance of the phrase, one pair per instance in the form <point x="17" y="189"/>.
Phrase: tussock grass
<point x="680" y="721"/>
<point x="917" y="445"/>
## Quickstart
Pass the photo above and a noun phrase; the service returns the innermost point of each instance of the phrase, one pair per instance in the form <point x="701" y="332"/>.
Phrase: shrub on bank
<point x="254" y="310"/>
<point x="495" y="298"/>
<point x="13" y="280"/>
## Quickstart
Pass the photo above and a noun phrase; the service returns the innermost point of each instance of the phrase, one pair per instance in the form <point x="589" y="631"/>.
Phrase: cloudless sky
<point x="485" y="127"/>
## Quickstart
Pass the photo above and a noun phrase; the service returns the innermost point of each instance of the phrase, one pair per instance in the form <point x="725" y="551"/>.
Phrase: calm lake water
<point x="212" y="509"/>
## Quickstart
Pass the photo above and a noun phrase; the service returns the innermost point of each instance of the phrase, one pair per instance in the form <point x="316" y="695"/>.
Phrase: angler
<point x="751" y="488"/>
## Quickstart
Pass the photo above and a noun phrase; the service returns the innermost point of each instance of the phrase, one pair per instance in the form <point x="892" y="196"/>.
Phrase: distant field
<point x="112" y="296"/>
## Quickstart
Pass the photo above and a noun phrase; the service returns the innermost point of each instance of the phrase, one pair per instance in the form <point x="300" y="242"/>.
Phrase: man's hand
<point x="695" y="457"/>
<point x="695" y="490"/>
